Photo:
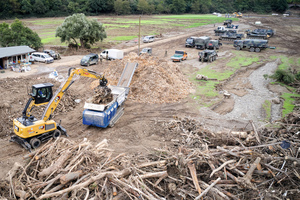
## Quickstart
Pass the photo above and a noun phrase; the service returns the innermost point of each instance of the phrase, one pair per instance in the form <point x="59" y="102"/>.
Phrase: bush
<point x="283" y="76"/>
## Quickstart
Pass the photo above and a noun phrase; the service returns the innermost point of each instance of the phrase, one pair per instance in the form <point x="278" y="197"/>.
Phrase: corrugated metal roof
<point x="14" y="51"/>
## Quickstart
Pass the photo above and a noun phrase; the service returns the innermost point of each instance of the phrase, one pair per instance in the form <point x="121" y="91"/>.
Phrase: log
<point x="13" y="171"/>
<point x="207" y="189"/>
<point x="57" y="165"/>
<point x="161" y="162"/>
<point x="193" y="172"/>
<point x="118" y="174"/>
<point x="154" y="175"/>
<point x="70" y="176"/>
<point x="245" y="181"/>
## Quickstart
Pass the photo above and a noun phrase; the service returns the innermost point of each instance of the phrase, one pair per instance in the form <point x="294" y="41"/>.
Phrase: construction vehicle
<point x="238" y="14"/>
<point x="201" y="42"/>
<point x="207" y="55"/>
<point x="259" y="33"/>
<point x="31" y="132"/>
<point x="251" y="44"/>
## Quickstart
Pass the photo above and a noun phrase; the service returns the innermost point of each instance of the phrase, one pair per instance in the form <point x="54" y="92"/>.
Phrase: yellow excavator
<point x="238" y="14"/>
<point x="31" y="132"/>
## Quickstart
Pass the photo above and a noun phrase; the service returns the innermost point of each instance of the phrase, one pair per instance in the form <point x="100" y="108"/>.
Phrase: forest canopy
<point x="58" y="8"/>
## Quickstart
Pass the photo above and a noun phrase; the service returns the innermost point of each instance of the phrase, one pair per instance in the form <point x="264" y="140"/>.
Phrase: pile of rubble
<point x="154" y="81"/>
<point x="233" y="165"/>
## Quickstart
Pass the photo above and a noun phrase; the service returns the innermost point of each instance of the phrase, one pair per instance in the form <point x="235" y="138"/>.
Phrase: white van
<point x="41" y="57"/>
<point x="112" y="54"/>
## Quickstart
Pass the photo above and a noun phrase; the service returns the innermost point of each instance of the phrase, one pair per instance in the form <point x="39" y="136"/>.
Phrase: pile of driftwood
<point x="102" y="95"/>
<point x="258" y="164"/>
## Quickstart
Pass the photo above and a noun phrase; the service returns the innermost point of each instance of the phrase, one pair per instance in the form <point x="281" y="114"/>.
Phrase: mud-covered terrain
<point x="159" y="92"/>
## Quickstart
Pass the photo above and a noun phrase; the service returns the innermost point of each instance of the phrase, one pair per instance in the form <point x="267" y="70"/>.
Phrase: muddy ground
<point x="140" y="129"/>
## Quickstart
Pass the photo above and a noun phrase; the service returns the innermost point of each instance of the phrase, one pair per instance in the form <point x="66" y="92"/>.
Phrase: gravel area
<point x="249" y="106"/>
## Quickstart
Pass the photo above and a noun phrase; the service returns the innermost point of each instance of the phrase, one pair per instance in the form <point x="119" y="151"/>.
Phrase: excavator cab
<point x="42" y="93"/>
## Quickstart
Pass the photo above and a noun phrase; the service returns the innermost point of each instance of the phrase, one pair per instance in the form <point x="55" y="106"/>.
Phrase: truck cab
<point x="190" y="42"/>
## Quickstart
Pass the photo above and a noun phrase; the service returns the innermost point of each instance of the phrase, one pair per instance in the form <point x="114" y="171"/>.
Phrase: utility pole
<point x="139" y="35"/>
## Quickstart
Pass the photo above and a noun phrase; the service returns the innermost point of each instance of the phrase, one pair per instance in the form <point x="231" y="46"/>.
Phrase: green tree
<point x="40" y="7"/>
<point x="122" y="7"/>
<point x="196" y="6"/>
<point x="160" y="8"/>
<point x="178" y="6"/>
<point x="143" y="6"/>
<point x="26" y="7"/>
<point x="78" y="27"/>
<point x="18" y="34"/>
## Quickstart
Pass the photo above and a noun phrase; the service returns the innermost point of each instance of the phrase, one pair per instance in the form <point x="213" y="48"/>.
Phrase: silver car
<point x="41" y="57"/>
<point x="149" y="38"/>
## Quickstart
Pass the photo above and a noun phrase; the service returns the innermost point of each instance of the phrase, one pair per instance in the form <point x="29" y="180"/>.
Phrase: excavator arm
<point x="53" y="103"/>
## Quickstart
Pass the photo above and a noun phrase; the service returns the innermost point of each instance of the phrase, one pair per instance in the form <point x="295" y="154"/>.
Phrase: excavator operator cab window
<point x="42" y="93"/>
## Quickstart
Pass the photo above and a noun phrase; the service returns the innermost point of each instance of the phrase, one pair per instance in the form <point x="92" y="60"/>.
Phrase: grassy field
<point x="125" y="28"/>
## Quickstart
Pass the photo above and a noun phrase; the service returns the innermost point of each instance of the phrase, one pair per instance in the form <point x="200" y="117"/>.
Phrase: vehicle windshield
<point x="177" y="55"/>
<point x="179" y="52"/>
<point x="190" y="40"/>
<point x="51" y="51"/>
<point x="85" y="58"/>
<point x="47" y="56"/>
<point x="145" y="50"/>
<point x="146" y="38"/>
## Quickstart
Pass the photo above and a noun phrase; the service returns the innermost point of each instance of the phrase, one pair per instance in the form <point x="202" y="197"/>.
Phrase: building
<point x="13" y="55"/>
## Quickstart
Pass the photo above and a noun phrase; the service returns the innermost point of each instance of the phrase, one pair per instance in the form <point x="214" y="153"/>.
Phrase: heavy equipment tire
<point x="257" y="49"/>
<point x="56" y="134"/>
<point x="252" y="49"/>
<point x="35" y="143"/>
<point x="238" y="48"/>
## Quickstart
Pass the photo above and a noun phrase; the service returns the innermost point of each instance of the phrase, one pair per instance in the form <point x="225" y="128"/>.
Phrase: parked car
<point x="41" y="57"/>
<point x="146" y="50"/>
<point x="179" y="56"/>
<point x="52" y="53"/>
<point x="89" y="59"/>
<point x="149" y="38"/>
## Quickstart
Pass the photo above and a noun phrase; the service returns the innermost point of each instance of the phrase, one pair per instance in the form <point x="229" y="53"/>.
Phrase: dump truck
<point x="231" y="36"/>
<point x="201" y="42"/>
<point x="251" y="44"/>
<point x="207" y="55"/>
<point x="179" y="56"/>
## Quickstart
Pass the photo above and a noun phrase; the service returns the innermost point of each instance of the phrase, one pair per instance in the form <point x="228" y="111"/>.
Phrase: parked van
<point x="112" y="54"/>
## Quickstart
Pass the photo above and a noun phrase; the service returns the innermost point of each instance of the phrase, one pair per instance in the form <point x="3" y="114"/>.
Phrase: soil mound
<point x="154" y="81"/>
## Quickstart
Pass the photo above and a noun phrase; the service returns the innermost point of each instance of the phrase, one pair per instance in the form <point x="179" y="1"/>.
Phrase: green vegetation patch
<point x="267" y="108"/>
<point x="52" y="40"/>
<point x="124" y="38"/>
<point x="288" y="104"/>
<point x="286" y="62"/>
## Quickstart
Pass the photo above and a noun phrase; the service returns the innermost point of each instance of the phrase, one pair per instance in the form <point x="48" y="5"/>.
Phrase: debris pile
<point x="102" y="95"/>
<point x="154" y="81"/>
<point x="232" y="165"/>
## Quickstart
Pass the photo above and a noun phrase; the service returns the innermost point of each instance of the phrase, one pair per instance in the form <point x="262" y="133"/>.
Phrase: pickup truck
<point x="179" y="56"/>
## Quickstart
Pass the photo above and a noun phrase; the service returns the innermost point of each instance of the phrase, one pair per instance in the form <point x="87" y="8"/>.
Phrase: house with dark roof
<point x="11" y="55"/>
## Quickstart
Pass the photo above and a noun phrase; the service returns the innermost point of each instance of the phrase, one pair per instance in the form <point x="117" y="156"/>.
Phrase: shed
<point x="11" y="55"/>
